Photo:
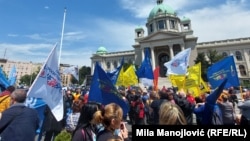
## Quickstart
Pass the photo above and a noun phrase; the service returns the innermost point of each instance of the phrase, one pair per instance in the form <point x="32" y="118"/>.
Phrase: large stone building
<point x="27" y="68"/>
<point x="169" y="34"/>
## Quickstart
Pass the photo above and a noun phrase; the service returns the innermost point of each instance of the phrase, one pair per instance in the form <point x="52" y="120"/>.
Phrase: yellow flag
<point x="120" y="78"/>
<point x="130" y="77"/>
<point x="177" y="80"/>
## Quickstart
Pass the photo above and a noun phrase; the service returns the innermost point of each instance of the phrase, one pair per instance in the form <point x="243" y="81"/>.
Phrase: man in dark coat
<point x="18" y="122"/>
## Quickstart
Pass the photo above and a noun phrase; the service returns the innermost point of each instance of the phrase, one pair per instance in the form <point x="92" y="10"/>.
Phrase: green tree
<point x="212" y="57"/>
<point x="83" y="71"/>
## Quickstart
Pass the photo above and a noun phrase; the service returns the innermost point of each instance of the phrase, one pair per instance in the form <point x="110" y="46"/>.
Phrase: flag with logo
<point x="221" y="70"/>
<point x="12" y="75"/>
<point x="47" y="85"/>
<point x="179" y="63"/>
<point x="73" y="70"/>
<point x="145" y="72"/>
<point x="102" y="90"/>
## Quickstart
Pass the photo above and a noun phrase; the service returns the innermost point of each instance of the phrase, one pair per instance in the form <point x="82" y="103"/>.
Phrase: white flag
<point x="178" y="65"/>
<point x="47" y="85"/>
<point x="72" y="70"/>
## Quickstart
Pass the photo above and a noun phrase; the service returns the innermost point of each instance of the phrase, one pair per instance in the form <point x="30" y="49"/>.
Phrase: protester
<point x="171" y="114"/>
<point x="5" y="98"/>
<point x="227" y="110"/>
<point x="86" y="130"/>
<point x="51" y="127"/>
<point x="73" y="117"/>
<point x="110" y="118"/>
<point x="18" y="122"/>
<point x="244" y="107"/>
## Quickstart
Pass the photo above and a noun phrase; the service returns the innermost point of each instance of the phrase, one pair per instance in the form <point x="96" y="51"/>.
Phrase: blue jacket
<point x="23" y="126"/>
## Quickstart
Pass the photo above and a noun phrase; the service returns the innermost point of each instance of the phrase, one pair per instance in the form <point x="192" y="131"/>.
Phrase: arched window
<point x="224" y="54"/>
<point x="242" y="70"/>
<point x="238" y="56"/>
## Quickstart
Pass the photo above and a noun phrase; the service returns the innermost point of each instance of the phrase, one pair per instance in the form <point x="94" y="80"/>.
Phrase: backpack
<point x="139" y="112"/>
<point x="216" y="118"/>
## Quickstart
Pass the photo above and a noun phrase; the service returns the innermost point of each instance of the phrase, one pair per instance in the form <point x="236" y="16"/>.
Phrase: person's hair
<point x="19" y="95"/>
<point x="171" y="114"/>
<point x="11" y="88"/>
<point x="86" y="114"/>
<point x="105" y="116"/>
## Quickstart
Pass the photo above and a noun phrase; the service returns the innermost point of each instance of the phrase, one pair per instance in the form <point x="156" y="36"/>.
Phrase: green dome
<point x="184" y="19"/>
<point x="101" y="50"/>
<point x="138" y="28"/>
<point x="161" y="9"/>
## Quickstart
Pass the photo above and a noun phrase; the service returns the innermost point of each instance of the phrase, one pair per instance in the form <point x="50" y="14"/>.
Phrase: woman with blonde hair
<point x="171" y="114"/>
<point x="111" y="118"/>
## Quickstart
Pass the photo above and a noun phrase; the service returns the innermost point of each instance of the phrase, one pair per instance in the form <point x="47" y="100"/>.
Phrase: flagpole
<point x="64" y="16"/>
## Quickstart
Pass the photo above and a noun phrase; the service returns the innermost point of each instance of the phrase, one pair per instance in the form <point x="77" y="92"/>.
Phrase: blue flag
<point x="221" y="70"/>
<point x="114" y="74"/>
<point x="3" y="80"/>
<point x="39" y="105"/>
<point x="102" y="90"/>
<point x="12" y="76"/>
<point x="145" y="72"/>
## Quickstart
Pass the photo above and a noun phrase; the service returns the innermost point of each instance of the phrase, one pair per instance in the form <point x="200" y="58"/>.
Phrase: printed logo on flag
<point x="175" y="63"/>
<point x="108" y="88"/>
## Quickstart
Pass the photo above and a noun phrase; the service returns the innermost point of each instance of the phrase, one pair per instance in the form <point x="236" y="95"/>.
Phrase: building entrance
<point x="163" y="58"/>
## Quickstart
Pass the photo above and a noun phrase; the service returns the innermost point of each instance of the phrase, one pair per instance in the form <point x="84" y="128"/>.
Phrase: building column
<point x="152" y="57"/>
<point x="182" y="47"/>
<point x="142" y="54"/>
<point x="171" y="51"/>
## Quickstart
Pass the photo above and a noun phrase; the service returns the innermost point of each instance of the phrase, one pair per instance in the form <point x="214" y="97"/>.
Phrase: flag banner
<point x="39" y="105"/>
<point x="192" y="81"/>
<point x="221" y="70"/>
<point x="179" y="63"/>
<point x="145" y="72"/>
<point x="156" y="76"/>
<point x="130" y="77"/>
<point x="120" y="79"/>
<point x="103" y="91"/>
<point x="3" y="80"/>
<point x="177" y="81"/>
<point x="12" y="76"/>
<point x="115" y="73"/>
<point x="47" y="85"/>
<point x="73" y="70"/>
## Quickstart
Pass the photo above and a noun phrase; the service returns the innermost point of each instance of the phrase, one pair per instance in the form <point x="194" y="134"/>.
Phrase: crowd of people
<point x="91" y="121"/>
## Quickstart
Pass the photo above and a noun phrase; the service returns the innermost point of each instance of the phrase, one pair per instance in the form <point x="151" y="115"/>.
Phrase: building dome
<point x="101" y="50"/>
<point x="161" y="8"/>
<point x="185" y="19"/>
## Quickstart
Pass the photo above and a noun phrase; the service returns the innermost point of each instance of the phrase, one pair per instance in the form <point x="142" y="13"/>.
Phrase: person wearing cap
<point x="18" y="122"/>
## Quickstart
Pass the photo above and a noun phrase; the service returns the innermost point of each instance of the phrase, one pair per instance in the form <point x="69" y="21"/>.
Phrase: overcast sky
<point x="30" y="28"/>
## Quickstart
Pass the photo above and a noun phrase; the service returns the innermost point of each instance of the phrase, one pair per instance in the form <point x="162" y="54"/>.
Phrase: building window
<point x="115" y="64"/>
<point x="161" y="24"/>
<point x="151" y="29"/>
<point x="172" y="24"/>
<point x="224" y="54"/>
<point x="176" y="49"/>
<point x="108" y="65"/>
<point x="186" y="26"/>
<point x="238" y="56"/>
<point x="242" y="70"/>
